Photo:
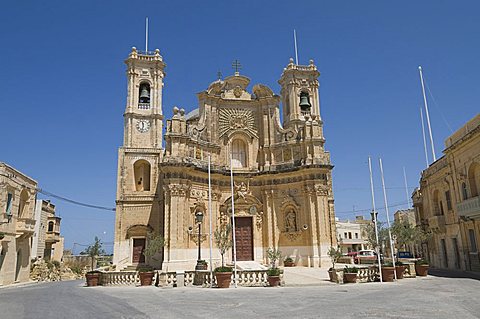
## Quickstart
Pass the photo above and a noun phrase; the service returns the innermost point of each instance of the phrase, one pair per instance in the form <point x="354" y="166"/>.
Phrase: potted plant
<point x="400" y="269"/>
<point x="222" y="236"/>
<point x="288" y="262"/>
<point x="388" y="272"/>
<point x="350" y="274"/>
<point x="155" y="244"/>
<point x="146" y="274"/>
<point x="421" y="267"/>
<point x="93" y="251"/>
<point x="93" y="278"/>
<point x="334" y="254"/>
<point x="273" y="272"/>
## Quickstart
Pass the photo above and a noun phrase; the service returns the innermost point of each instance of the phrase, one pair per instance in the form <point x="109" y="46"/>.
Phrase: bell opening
<point x="305" y="102"/>
<point x="144" y="97"/>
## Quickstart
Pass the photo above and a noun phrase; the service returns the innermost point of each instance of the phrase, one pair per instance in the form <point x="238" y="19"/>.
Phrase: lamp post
<point x="199" y="220"/>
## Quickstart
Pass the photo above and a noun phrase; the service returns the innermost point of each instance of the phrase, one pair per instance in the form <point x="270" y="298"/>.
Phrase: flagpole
<point x="233" y="226"/>
<point x="146" y="35"/>
<point x="424" y="138"/>
<point x="375" y="220"/>
<point x="388" y="218"/>
<point x="406" y="188"/>
<point x="427" y="114"/>
<point x="210" y="219"/>
<point x="295" y="42"/>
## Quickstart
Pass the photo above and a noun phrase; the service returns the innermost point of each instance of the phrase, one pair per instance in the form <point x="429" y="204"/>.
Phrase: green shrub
<point x="399" y="263"/>
<point x="223" y="269"/>
<point x="350" y="270"/>
<point x="288" y="260"/>
<point x="273" y="272"/>
<point x="388" y="264"/>
<point x="145" y="269"/>
<point x="421" y="262"/>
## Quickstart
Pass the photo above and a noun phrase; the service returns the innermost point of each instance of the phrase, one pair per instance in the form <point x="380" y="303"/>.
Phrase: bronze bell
<point x="144" y="95"/>
<point x="304" y="102"/>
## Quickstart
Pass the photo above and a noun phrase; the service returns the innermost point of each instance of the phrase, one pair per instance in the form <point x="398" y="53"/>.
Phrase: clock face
<point x="143" y="125"/>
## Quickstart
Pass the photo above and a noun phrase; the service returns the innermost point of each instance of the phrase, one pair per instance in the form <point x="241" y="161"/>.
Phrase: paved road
<point x="430" y="297"/>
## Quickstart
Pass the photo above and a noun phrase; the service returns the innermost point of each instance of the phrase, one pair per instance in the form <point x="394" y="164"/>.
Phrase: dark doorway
<point x="244" y="238"/>
<point x="138" y="247"/>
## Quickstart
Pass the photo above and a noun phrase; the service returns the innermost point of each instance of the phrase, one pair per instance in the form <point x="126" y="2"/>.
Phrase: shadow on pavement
<point x="448" y="273"/>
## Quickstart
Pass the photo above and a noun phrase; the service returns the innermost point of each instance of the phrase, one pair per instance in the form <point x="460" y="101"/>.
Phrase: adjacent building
<point x="47" y="232"/>
<point x="17" y="224"/>
<point x="447" y="203"/>
<point x="282" y="173"/>
<point x="350" y="234"/>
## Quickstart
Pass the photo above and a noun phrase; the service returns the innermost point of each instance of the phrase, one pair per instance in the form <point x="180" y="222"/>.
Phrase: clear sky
<point x="63" y="85"/>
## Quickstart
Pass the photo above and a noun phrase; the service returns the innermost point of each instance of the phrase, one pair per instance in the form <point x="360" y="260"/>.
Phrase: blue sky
<point x="63" y="84"/>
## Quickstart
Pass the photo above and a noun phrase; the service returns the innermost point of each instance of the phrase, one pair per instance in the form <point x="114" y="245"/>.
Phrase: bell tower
<point x="143" y="113"/>
<point x="300" y="99"/>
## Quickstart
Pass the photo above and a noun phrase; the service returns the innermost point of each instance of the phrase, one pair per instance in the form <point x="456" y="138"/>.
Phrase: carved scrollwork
<point x="230" y="120"/>
<point x="292" y="236"/>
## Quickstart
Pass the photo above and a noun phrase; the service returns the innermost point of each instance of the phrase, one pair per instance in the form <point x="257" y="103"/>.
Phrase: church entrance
<point x="244" y="238"/>
<point x="138" y="247"/>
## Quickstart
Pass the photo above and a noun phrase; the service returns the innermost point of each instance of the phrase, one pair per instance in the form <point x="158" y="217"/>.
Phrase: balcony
<point x="437" y="222"/>
<point x="52" y="237"/>
<point x="25" y="226"/>
<point x="469" y="208"/>
<point x="144" y="106"/>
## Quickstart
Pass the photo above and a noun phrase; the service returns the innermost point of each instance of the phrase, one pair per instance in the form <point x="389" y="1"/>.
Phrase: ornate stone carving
<point x="231" y="120"/>
<point x="292" y="236"/>
<point x="178" y="189"/>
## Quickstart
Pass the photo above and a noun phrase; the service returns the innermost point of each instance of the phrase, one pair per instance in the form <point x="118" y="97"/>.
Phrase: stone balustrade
<point x="119" y="278"/>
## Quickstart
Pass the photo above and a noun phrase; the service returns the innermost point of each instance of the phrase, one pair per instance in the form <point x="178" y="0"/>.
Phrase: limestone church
<point x="282" y="174"/>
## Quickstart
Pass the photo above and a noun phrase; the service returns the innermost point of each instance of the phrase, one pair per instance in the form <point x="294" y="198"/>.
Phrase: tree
<point x="334" y="254"/>
<point x="95" y="250"/>
<point x="408" y="235"/>
<point x="274" y="255"/>
<point x="223" y="239"/>
<point x="156" y="242"/>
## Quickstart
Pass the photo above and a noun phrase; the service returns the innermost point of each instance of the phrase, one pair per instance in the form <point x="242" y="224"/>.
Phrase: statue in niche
<point x="291" y="221"/>
<point x="242" y="190"/>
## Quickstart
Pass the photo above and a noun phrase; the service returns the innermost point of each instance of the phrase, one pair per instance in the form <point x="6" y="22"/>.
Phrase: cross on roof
<point x="219" y="75"/>
<point x="236" y="65"/>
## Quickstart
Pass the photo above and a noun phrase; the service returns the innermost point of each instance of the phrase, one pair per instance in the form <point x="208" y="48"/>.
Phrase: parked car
<point x="365" y="256"/>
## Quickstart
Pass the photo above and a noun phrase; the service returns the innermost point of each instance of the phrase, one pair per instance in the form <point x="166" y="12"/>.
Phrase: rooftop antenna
<point x="295" y="42"/>
<point x="146" y="35"/>
<point x="426" y="112"/>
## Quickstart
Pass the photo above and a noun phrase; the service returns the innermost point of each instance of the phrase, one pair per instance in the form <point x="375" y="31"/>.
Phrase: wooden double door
<point x="244" y="238"/>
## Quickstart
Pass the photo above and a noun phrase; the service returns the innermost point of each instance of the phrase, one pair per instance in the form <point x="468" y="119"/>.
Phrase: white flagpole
<point x="375" y="220"/>
<point x="406" y="188"/>
<point x="233" y="226"/>
<point x="210" y="218"/>
<point x="146" y="35"/>
<point x="424" y="138"/>
<point x="388" y="218"/>
<point x="296" y="49"/>
<point x="428" y="116"/>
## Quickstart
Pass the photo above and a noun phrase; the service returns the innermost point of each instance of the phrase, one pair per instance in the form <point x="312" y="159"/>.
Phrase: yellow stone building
<point x="17" y="224"/>
<point x="282" y="174"/>
<point x="448" y="201"/>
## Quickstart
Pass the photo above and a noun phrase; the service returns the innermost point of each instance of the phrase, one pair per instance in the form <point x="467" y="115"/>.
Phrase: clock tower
<point x="140" y="156"/>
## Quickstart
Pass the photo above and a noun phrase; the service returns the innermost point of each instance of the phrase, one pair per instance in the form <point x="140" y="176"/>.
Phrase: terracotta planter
<point x="92" y="279"/>
<point x="421" y="270"/>
<point x="223" y="279"/>
<point x="146" y="278"/>
<point x="273" y="281"/>
<point x="289" y="264"/>
<point x="332" y="275"/>
<point x="400" y="270"/>
<point x="388" y="274"/>
<point x="350" y="277"/>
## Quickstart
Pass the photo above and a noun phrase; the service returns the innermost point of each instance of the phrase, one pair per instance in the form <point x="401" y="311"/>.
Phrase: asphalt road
<point x="430" y="297"/>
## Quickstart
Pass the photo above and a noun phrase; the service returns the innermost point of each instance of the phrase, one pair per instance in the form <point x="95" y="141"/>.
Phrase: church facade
<point x="282" y="174"/>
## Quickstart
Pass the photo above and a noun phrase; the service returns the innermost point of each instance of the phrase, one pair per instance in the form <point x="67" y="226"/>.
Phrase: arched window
<point x="474" y="179"/>
<point x="144" y="96"/>
<point x="141" y="170"/>
<point x="464" y="191"/>
<point x="23" y="203"/>
<point x="239" y="153"/>
<point x="50" y="226"/>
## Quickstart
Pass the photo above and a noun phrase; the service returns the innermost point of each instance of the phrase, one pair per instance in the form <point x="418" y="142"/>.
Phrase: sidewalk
<point x="449" y="273"/>
<point x="305" y="276"/>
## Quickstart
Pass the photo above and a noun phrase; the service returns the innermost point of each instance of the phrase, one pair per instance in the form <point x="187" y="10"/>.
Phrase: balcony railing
<point x="52" y="237"/>
<point x="144" y="106"/>
<point x="25" y="225"/>
<point x="469" y="208"/>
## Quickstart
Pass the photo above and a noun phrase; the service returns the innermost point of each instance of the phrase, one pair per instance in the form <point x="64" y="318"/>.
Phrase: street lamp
<point x="199" y="220"/>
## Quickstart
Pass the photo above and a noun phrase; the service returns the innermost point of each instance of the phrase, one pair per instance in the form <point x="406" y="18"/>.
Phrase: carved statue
<point x="291" y="221"/>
